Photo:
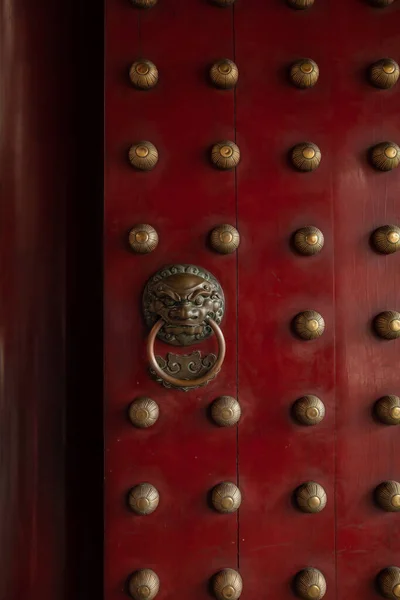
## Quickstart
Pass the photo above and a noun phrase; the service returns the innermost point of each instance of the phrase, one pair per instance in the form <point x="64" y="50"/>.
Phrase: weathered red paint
<point x="265" y="284"/>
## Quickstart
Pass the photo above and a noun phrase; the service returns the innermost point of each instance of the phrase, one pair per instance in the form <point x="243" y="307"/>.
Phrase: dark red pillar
<point x="45" y="514"/>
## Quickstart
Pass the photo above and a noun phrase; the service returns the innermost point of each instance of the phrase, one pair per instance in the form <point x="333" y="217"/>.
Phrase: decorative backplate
<point x="306" y="156"/>
<point x="309" y="325"/>
<point x="143" y="499"/>
<point x="309" y="410"/>
<point x="310" y="584"/>
<point x="224" y="74"/>
<point x="308" y="240"/>
<point x="143" y="156"/>
<point x="143" y="74"/>
<point x="387" y="495"/>
<point x="385" y="156"/>
<point x="223" y="3"/>
<point x="384" y="74"/>
<point x="143" y="412"/>
<point x="225" y="155"/>
<point x="304" y="73"/>
<point x="310" y="497"/>
<point x="225" y="239"/>
<point x="144" y="584"/>
<point x="300" y="4"/>
<point x="225" y="411"/>
<point x="387" y="410"/>
<point x="389" y="582"/>
<point x="144" y="3"/>
<point x="387" y="325"/>
<point x="227" y="585"/>
<point x="184" y="296"/>
<point x="143" y="238"/>
<point x="226" y="497"/>
<point x="185" y="366"/>
<point x="386" y="239"/>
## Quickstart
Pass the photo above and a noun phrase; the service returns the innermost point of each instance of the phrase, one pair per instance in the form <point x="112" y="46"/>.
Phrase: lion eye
<point x="167" y="301"/>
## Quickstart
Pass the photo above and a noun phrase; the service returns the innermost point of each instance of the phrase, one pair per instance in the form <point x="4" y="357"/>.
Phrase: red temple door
<point x="251" y="298"/>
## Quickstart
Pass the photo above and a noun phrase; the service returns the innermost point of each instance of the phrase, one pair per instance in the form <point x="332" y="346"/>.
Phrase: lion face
<point x="183" y="296"/>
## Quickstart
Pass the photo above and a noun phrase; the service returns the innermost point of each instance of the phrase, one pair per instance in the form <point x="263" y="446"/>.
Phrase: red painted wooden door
<point x="268" y="454"/>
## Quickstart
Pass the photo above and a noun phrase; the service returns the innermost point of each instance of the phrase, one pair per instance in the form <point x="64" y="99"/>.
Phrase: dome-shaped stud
<point x="143" y="412"/>
<point x="387" y="410"/>
<point x="387" y="325"/>
<point x="300" y="4"/>
<point x="143" y="238"/>
<point x="381" y="3"/>
<point x="143" y="499"/>
<point x="308" y="240"/>
<point x="223" y="3"/>
<point x="306" y="156"/>
<point x="386" y="239"/>
<point x="310" y="497"/>
<point x="144" y="584"/>
<point x="226" y="497"/>
<point x="224" y="74"/>
<point x="143" y="156"/>
<point x="384" y="74"/>
<point x="227" y="585"/>
<point x="310" y="584"/>
<point x="304" y="73"/>
<point x="225" y="239"/>
<point x="144" y="3"/>
<point x="143" y="74"/>
<point x="385" y="156"/>
<point x="309" y="410"/>
<point x="225" y="411"/>
<point x="309" y="325"/>
<point x="387" y="495"/>
<point x="389" y="582"/>
<point x="225" y="155"/>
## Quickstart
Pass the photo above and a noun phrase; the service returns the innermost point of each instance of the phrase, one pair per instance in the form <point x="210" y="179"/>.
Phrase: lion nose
<point x="184" y="312"/>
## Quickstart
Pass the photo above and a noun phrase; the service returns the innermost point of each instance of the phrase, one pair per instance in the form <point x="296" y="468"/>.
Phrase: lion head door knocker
<point x="184" y="305"/>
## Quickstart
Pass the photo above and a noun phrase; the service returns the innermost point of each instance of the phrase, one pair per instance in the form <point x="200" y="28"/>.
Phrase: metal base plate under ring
<point x="184" y="366"/>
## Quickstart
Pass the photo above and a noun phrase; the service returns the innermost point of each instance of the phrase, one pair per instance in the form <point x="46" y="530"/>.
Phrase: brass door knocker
<point x="184" y="304"/>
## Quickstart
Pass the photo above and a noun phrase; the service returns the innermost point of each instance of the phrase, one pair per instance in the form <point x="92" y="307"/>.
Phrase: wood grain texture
<point x="366" y="369"/>
<point x="34" y="174"/>
<point x="50" y="296"/>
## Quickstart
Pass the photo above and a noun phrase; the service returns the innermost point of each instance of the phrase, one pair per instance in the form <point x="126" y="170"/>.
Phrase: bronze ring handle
<point x="188" y="383"/>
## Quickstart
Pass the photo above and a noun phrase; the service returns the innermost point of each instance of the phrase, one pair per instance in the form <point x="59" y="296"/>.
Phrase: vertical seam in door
<point x="237" y="298"/>
<point x="139" y="33"/>
<point x="334" y="383"/>
<point x="334" y="358"/>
